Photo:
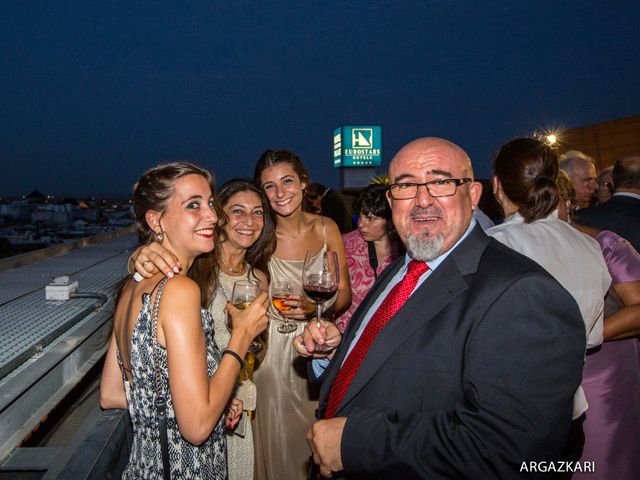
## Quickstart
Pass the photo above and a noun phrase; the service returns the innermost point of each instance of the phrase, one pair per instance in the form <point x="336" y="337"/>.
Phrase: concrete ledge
<point x="102" y="452"/>
<point x="37" y="255"/>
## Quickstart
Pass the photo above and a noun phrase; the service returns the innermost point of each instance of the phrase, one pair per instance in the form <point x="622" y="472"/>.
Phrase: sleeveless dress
<point x="611" y="381"/>
<point x="239" y="448"/>
<point x="287" y="401"/>
<point x="205" y="461"/>
<point x="361" y="275"/>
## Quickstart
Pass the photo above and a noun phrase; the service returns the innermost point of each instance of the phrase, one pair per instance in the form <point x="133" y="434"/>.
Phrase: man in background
<point x="582" y="171"/>
<point x="621" y="214"/>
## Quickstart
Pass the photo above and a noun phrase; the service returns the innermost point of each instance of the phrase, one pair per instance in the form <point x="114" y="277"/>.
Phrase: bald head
<point x="430" y="146"/>
<point x="430" y="224"/>
<point x="626" y="174"/>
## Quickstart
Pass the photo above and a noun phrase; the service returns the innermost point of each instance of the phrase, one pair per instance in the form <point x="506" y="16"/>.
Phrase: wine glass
<point x="245" y="292"/>
<point x="320" y="277"/>
<point x="280" y="291"/>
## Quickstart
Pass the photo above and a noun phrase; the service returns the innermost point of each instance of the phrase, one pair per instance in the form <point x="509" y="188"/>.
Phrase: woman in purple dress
<point x="611" y="376"/>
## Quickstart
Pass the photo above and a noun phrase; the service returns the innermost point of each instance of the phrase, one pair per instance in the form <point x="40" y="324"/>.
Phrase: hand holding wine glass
<point x="318" y="339"/>
<point x="245" y="292"/>
<point x="320" y="277"/>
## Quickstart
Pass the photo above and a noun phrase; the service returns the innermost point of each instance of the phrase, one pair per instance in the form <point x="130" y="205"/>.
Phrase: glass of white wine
<point x="280" y="292"/>
<point x="245" y="292"/>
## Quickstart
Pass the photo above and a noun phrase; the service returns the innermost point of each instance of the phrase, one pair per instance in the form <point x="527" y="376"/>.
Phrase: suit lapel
<point x="356" y="320"/>
<point x="432" y="296"/>
<point x="439" y="289"/>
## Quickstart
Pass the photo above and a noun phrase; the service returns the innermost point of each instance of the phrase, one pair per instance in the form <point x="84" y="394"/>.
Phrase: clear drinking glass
<point x="320" y="277"/>
<point x="280" y="291"/>
<point x="245" y="292"/>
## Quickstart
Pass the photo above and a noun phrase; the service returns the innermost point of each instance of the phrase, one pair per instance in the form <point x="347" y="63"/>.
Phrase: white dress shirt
<point x="574" y="259"/>
<point x="320" y="364"/>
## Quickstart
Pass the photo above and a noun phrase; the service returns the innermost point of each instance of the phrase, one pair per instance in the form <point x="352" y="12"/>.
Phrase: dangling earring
<point x="159" y="237"/>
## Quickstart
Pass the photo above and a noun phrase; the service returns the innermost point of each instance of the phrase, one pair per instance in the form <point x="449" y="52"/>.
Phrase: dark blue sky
<point x="93" y="93"/>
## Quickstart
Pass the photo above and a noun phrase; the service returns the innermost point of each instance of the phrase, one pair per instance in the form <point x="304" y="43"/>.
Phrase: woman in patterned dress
<point x="174" y="203"/>
<point x="370" y="248"/>
<point x="246" y="240"/>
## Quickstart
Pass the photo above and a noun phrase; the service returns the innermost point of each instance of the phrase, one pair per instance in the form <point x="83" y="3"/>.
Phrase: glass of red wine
<point x="320" y="277"/>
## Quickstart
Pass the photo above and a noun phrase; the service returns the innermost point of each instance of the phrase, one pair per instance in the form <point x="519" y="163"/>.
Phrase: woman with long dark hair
<point x="163" y="361"/>
<point x="246" y="240"/>
<point x="286" y="400"/>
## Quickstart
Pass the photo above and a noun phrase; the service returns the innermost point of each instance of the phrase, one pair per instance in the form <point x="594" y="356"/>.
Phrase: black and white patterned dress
<point x="205" y="461"/>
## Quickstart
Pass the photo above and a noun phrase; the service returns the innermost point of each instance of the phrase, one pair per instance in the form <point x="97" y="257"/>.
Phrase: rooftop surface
<point x="28" y="322"/>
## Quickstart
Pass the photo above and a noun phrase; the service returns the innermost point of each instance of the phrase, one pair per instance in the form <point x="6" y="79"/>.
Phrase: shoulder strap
<point x="120" y="364"/>
<point x="160" y="400"/>
<point x="373" y="259"/>
<point x="324" y="232"/>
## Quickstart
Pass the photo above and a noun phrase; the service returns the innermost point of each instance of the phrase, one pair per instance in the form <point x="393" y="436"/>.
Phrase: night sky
<point x="94" y="93"/>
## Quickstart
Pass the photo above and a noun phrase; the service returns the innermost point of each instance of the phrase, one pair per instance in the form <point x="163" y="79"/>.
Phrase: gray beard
<point x="424" y="248"/>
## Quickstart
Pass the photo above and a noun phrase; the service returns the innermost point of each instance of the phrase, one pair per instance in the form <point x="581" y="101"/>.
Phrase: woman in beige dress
<point x="286" y="400"/>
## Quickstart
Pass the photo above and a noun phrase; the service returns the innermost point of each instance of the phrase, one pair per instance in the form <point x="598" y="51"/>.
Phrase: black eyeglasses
<point x="444" y="187"/>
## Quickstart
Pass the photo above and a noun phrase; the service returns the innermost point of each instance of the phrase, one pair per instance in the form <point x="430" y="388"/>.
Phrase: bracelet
<point x="131" y="265"/>
<point x="226" y="351"/>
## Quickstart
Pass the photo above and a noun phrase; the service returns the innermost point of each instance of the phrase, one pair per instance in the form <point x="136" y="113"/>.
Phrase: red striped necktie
<point x="387" y="309"/>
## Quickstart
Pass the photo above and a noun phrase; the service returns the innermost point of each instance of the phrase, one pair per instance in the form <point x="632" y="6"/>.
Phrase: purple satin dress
<point x="611" y="381"/>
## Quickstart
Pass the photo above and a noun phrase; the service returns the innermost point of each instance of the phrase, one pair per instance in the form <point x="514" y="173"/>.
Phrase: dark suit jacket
<point x="474" y="375"/>
<point x="620" y="214"/>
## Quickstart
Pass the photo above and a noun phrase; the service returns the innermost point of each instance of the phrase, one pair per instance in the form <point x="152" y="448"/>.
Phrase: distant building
<point x="605" y="141"/>
<point x="35" y="197"/>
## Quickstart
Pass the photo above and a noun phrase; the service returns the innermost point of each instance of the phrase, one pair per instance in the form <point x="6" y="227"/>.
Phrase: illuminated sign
<point x="357" y="146"/>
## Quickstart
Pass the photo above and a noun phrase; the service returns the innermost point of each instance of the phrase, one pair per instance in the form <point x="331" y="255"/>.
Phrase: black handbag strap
<point x="373" y="258"/>
<point x="160" y="400"/>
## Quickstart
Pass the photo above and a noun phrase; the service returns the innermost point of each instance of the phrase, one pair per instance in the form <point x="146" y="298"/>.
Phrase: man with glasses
<point x="604" y="191"/>
<point x="463" y="359"/>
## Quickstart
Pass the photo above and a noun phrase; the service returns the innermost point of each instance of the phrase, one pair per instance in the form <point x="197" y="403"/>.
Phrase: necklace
<point x="294" y="235"/>
<point x="231" y="270"/>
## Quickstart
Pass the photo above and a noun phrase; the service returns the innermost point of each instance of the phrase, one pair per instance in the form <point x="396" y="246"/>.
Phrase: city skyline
<point x="94" y="94"/>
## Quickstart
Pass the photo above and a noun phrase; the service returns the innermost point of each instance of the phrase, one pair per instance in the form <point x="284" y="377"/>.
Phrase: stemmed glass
<point x="245" y="292"/>
<point x="280" y="291"/>
<point x="320" y="277"/>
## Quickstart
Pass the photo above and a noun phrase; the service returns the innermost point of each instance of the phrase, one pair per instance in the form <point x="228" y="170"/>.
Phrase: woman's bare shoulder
<point x="180" y="301"/>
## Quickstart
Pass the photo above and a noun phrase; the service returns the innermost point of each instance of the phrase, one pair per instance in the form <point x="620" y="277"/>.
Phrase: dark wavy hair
<point x="152" y="192"/>
<point x="373" y="200"/>
<point x="272" y="157"/>
<point x="528" y="171"/>
<point x="258" y="254"/>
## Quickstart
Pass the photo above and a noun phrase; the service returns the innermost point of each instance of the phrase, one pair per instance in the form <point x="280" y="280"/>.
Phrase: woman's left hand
<point x="234" y="413"/>
<point x="301" y="308"/>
